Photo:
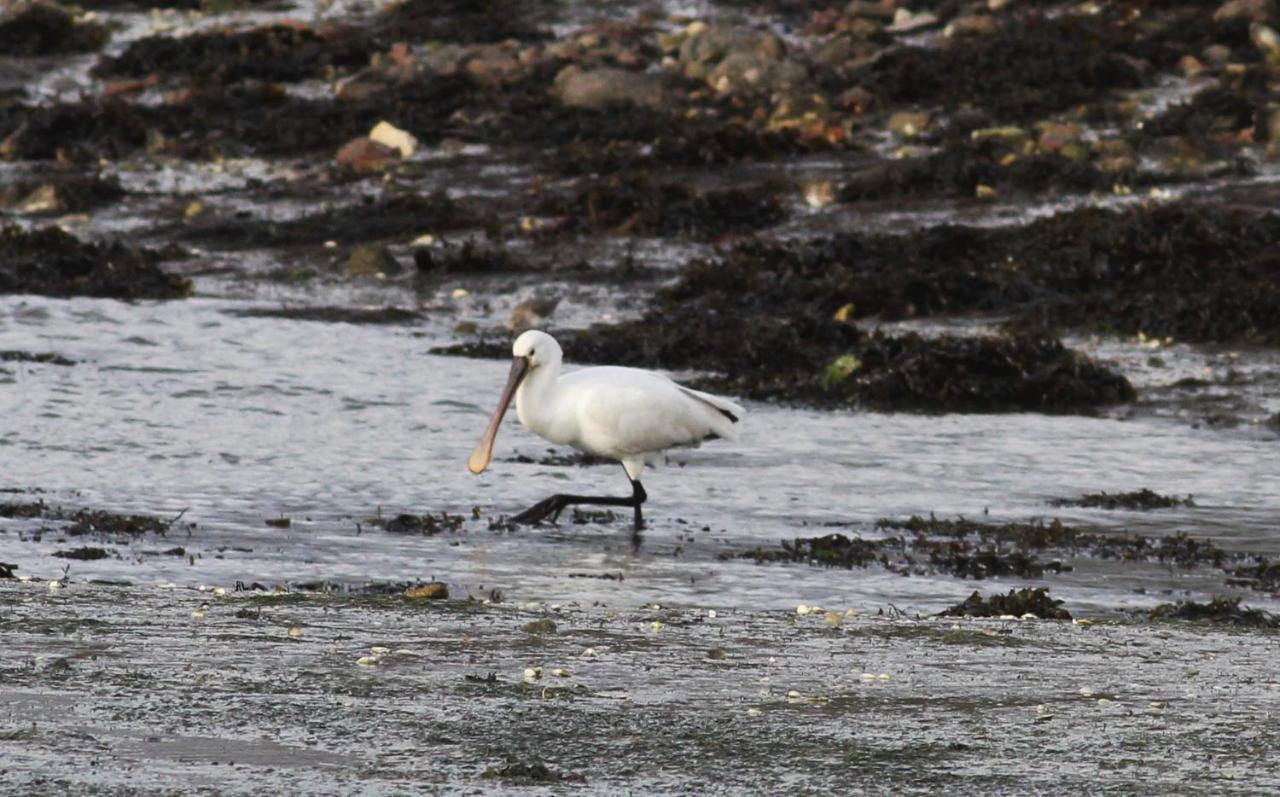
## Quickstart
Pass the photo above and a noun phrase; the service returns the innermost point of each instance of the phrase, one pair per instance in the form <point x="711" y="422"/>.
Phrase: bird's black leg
<point x="553" y="506"/>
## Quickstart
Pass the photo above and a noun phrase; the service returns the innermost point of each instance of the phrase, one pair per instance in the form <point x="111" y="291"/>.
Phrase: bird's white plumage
<point x="626" y="414"/>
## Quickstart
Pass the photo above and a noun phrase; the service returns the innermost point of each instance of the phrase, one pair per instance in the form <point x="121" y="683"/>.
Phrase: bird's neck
<point x="536" y="398"/>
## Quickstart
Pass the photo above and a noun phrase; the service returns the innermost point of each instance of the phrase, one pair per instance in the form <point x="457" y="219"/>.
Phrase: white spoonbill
<point x="626" y="414"/>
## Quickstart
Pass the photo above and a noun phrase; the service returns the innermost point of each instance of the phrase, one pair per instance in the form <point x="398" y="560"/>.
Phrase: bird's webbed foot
<point x="546" y="508"/>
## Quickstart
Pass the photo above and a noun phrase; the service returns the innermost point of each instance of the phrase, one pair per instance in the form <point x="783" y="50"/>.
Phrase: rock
<point x="819" y="193"/>
<point x="539" y="627"/>
<point x="1055" y="136"/>
<point x="701" y="51"/>
<point x="369" y="261"/>
<point x="390" y="136"/>
<point x="1190" y="66"/>
<point x="42" y="200"/>
<point x="906" y="22"/>
<point x="800" y="109"/>
<point x="880" y="9"/>
<point x="494" y="66"/>
<point x="1010" y="135"/>
<point x="976" y="25"/>
<point x="1114" y="155"/>
<point x="435" y="590"/>
<point x="856" y="99"/>
<point x="604" y="86"/>
<point x="908" y="124"/>
<point x="1265" y="39"/>
<point x="1252" y="10"/>
<point x="1217" y="54"/>
<point x="532" y="313"/>
<point x="1271" y="124"/>
<point x="364" y="156"/>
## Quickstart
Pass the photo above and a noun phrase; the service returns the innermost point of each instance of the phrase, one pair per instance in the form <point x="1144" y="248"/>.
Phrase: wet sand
<point x="137" y="689"/>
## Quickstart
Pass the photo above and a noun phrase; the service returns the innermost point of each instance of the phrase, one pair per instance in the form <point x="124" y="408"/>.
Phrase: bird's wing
<point x="631" y="411"/>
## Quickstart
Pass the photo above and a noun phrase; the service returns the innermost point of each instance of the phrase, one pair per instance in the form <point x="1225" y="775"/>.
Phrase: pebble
<point x="393" y="138"/>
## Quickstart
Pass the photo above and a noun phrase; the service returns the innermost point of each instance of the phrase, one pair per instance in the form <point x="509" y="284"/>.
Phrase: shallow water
<point x="185" y="407"/>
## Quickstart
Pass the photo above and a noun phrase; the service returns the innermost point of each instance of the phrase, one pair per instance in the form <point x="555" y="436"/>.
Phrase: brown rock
<point x="1253" y="10"/>
<point x="364" y="156"/>
<point x="1190" y="66"/>
<point x="436" y="590"/>
<point x="856" y="99"/>
<point x="883" y="9"/>
<point x="1217" y="54"/>
<point x="494" y="67"/>
<point x="605" y="86"/>
<point x="532" y="313"/>
<point x="976" y="25"/>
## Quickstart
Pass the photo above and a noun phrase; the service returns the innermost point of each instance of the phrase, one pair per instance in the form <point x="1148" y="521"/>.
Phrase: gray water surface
<point x="187" y="407"/>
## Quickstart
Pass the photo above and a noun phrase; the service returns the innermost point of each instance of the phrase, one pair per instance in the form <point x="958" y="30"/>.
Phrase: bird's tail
<point x="725" y="409"/>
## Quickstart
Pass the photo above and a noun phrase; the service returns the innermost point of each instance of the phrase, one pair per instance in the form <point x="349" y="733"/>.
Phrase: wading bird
<point x="626" y="414"/>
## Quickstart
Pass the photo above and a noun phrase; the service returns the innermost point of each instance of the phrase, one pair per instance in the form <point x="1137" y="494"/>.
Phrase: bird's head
<point x="532" y="350"/>
<point x="536" y="348"/>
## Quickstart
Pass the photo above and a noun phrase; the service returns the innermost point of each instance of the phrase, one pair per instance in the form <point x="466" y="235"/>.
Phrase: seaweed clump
<point x="55" y="263"/>
<point x="425" y="525"/>
<point x="633" y="204"/>
<point x="371" y="219"/>
<point x="276" y="53"/>
<point x="1143" y="499"/>
<point x="90" y="521"/>
<point x="528" y="773"/>
<point x="1025" y="69"/>
<point x="46" y="358"/>
<point x="1220" y="610"/>
<point x="923" y="554"/>
<point x="38" y="29"/>
<point x="1017" y="603"/>
<point x="832" y="550"/>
